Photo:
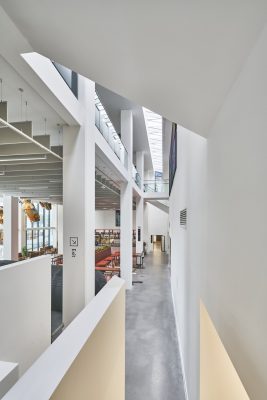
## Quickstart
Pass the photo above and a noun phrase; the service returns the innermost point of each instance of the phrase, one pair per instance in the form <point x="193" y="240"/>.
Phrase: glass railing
<point x="136" y="177"/>
<point x="108" y="131"/>
<point x="156" y="186"/>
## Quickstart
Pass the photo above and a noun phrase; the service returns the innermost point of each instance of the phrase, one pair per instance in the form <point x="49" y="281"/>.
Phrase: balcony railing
<point x="156" y="186"/>
<point x="108" y="131"/>
<point x="136" y="177"/>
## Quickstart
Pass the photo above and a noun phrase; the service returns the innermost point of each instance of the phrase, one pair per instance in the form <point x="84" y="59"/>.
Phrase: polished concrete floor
<point x="153" y="369"/>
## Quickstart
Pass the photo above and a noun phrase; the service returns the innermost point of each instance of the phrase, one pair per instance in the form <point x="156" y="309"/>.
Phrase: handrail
<point x="156" y="186"/>
<point x="136" y="176"/>
<point x="107" y="130"/>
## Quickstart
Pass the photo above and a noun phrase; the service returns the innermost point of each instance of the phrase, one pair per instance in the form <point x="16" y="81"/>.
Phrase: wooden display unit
<point x="110" y="237"/>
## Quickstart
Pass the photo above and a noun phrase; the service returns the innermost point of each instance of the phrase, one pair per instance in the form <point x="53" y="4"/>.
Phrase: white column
<point x="140" y="204"/>
<point x="146" y="235"/>
<point x="11" y="228"/>
<point x="79" y="208"/>
<point x="22" y="229"/>
<point x="59" y="227"/>
<point x="139" y="224"/>
<point x="126" y="261"/>
<point x="140" y="157"/>
<point x="54" y="224"/>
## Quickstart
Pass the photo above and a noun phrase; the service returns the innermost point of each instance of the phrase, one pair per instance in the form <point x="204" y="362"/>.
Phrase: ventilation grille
<point x="183" y="217"/>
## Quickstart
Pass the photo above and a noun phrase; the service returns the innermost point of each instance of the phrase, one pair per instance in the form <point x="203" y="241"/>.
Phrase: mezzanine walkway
<point x="153" y="369"/>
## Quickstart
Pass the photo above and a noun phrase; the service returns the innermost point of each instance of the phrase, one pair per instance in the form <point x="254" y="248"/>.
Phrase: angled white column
<point x="126" y="261"/>
<point x="140" y="204"/>
<point x="78" y="207"/>
<point x="11" y="228"/>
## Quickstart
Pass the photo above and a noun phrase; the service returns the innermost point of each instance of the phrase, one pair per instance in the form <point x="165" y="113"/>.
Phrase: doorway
<point x="158" y="243"/>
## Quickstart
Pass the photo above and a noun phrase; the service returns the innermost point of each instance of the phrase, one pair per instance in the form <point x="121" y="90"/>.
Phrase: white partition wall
<point x="25" y="311"/>
<point x="87" y="361"/>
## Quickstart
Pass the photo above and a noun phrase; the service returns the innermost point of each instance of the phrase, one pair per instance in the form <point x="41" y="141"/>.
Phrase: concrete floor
<point x="153" y="368"/>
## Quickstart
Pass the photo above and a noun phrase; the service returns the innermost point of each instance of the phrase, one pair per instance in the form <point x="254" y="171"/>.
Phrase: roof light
<point x="154" y="132"/>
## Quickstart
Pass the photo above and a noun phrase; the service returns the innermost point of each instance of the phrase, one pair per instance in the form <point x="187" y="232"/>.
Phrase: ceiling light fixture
<point x="32" y="187"/>
<point x="22" y="158"/>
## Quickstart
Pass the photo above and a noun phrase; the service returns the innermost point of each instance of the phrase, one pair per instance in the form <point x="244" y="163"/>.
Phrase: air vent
<point x="183" y="217"/>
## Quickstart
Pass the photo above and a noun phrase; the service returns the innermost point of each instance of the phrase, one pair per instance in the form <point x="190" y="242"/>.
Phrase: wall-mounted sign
<point x="74" y="241"/>
<point x="73" y="252"/>
<point x="139" y="234"/>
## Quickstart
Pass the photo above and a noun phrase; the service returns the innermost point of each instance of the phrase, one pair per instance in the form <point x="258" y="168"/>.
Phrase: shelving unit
<point x="110" y="237"/>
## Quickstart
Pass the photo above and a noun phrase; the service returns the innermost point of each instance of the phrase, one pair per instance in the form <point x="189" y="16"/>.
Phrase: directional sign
<point x="74" y="241"/>
<point x="73" y="252"/>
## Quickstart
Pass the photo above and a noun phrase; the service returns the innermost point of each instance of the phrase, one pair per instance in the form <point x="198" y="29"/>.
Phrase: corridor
<point x="153" y="369"/>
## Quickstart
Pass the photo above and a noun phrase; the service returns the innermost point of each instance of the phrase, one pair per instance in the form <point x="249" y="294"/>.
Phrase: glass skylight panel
<point x="154" y="132"/>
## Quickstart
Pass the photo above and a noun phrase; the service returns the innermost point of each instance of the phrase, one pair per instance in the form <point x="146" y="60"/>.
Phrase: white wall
<point x="236" y="284"/>
<point x="105" y="219"/>
<point x="71" y="367"/>
<point x="231" y="277"/>
<point x="187" y="249"/>
<point x="25" y="311"/>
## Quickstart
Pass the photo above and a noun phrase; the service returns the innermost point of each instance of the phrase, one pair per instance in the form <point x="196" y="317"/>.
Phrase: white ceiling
<point x="178" y="58"/>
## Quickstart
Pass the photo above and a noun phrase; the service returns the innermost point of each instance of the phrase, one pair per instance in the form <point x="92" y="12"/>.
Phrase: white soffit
<point x="179" y="58"/>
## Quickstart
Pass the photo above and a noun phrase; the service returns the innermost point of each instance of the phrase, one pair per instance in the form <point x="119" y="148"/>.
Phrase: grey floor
<point x="153" y="369"/>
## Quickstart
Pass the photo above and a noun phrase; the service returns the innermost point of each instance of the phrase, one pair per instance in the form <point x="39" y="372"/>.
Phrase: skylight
<point x="154" y="132"/>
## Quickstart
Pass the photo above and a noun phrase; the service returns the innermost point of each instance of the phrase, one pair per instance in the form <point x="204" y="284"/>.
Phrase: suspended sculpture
<point x="30" y="210"/>
<point x="45" y="205"/>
